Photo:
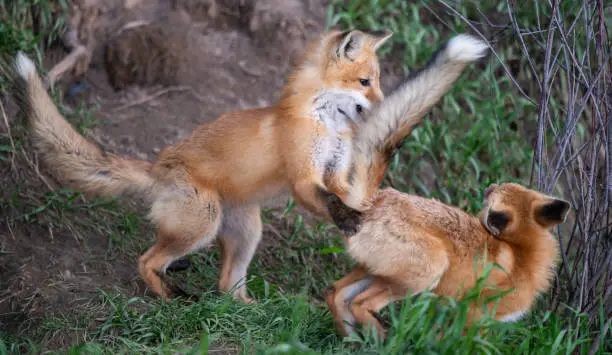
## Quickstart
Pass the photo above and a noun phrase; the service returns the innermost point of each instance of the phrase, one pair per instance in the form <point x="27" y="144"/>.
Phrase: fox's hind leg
<point x="410" y="277"/>
<point x="188" y="219"/>
<point x="342" y="293"/>
<point x="239" y="236"/>
<point x="366" y="304"/>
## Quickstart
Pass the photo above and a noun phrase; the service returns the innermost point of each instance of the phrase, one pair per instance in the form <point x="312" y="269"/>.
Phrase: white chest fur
<point x="338" y="111"/>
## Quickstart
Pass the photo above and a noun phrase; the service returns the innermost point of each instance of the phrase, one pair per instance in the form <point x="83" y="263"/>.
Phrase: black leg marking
<point x="179" y="265"/>
<point x="176" y="290"/>
<point x="380" y="319"/>
<point x="344" y="217"/>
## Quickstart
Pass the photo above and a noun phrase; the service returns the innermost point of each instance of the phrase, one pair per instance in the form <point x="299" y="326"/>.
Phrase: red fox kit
<point x="405" y="242"/>
<point x="210" y="184"/>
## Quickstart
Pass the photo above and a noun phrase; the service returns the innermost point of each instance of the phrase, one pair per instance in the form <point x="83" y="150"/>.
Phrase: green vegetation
<point x="481" y="132"/>
<point x="295" y="324"/>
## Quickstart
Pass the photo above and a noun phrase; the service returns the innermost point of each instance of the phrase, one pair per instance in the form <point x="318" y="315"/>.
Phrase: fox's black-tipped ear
<point x="377" y="38"/>
<point x="552" y="212"/>
<point x="350" y="46"/>
<point x="497" y="222"/>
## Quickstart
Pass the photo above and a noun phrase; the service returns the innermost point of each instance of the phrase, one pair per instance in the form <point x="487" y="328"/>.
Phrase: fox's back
<point x="237" y="152"/>
<point x="397" y="229"/>
<point x="429" y="216"/>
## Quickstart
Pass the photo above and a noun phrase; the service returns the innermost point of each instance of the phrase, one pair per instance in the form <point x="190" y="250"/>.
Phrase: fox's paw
<point x="380" y="319"/>
<point x="247" y="299"/>
<point x="172" y="290"/>
<point x="345" y="218"/>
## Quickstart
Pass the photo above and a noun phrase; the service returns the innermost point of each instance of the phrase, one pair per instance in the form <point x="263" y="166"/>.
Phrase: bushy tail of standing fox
<point x="82" y="164"/>
<point x="379" y="138"/>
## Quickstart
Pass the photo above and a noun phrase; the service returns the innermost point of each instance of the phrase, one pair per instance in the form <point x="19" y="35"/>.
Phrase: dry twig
<point x="153" y="96"/>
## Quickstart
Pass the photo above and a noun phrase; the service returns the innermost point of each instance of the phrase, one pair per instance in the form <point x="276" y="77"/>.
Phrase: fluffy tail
<point x="394" y="118"/>
<point x="75" y="160"/>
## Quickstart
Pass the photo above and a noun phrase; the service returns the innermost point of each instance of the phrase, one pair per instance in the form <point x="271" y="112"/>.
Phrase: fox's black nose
<point x="359" y="108"/>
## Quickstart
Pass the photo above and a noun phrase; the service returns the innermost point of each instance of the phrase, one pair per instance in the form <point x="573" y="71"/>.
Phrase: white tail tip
<point x="24" y="66"/>
<point x="466" y="48"/>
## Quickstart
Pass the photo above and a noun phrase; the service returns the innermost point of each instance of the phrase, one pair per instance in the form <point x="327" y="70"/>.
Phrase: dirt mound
<point x="278" y="28"/>
<point x="147" y="54"/>
<point x="153" y="47"/>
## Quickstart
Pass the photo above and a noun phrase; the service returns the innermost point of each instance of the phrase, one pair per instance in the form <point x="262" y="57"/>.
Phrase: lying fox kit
<point x="405" y="242"/>
<point x="211" y="184"/>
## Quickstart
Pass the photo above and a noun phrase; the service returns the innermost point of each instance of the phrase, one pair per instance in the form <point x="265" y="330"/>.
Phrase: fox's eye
<point x="364" y="82"/>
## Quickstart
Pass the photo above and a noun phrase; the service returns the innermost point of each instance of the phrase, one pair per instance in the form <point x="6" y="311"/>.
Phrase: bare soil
<point x="167" y="69"/>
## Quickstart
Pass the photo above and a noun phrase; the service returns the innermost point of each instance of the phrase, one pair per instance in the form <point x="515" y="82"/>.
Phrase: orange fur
<point x="210" y="184"/>
<point x="405" y="242"/>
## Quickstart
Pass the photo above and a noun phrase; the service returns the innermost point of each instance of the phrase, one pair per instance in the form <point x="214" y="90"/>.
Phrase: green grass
<point x="294" y="324"/>
<point x="16" y="32"/>
<point x="474" y="137"/>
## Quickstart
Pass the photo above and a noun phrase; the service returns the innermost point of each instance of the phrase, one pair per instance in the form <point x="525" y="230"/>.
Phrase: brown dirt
<point x="231" y="57"/>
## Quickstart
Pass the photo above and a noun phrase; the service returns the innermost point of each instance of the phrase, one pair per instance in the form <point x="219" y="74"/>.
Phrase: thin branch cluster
<point x="565" y="53"/>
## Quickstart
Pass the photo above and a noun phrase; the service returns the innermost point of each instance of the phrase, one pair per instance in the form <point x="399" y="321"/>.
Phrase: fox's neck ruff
<point x="306" y="78"/>
<point x="537" y="255"/>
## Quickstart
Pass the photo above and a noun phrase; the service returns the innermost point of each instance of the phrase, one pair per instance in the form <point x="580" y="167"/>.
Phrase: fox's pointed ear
<point x="378" y="38"/>
<point x="351" y="44"/>
<point x="552" y="212"/>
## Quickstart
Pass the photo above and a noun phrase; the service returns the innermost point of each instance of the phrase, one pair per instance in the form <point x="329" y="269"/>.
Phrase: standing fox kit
<point x="405" y="242"/>
<point x="210" y="184"/>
